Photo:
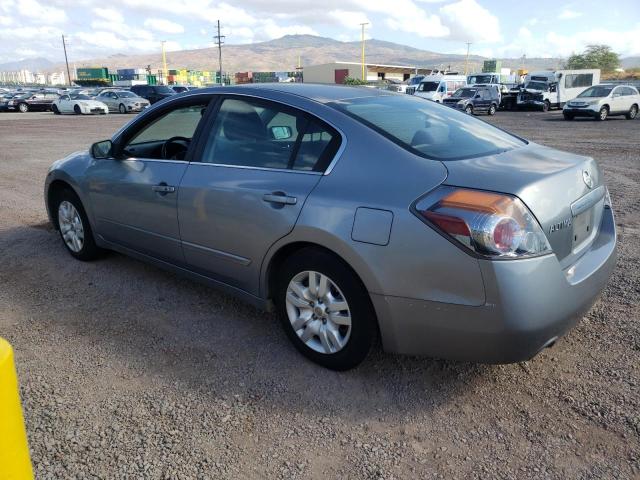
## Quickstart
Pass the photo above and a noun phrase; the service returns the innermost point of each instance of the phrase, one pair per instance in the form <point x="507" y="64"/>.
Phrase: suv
<point x="153" y="93"/>
<point x="474" y="100"/>
<point x="602" y="101"/>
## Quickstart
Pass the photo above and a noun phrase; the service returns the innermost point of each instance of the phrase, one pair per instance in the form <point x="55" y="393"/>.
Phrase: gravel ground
<point x="130" y="372"/>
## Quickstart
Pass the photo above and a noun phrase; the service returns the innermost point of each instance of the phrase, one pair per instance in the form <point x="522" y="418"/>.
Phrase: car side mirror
<point x="281" y="132"/>
<point x="101" y="150"/>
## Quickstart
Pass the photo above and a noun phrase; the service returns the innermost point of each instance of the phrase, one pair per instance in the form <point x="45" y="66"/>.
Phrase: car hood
<point x="548" y="181"/>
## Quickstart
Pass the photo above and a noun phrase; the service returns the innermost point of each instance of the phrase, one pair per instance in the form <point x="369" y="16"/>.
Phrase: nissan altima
<point x="353" y="213"/>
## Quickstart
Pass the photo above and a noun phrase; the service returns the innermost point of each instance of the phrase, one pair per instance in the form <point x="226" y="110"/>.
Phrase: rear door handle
<point x="163" y="188"/>
<point x="278" y="197"/>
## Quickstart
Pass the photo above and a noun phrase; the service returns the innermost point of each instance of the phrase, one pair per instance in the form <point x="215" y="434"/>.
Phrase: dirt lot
<point x="130" y="372"/>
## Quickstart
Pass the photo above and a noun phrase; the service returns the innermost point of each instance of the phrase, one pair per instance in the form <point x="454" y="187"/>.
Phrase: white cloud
<point x="350" y="19"/>
<point x="36" y="12"/>
<point x="109" y="14"/>
<point x="467" y="20"/>
<point x="568" y="14"/>
<point x="162" y="25"/>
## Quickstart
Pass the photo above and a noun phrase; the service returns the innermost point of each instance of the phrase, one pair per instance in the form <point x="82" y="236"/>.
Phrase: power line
<point x="219" y="41"/>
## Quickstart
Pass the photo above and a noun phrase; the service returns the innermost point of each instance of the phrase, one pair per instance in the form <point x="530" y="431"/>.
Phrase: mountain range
<point x="286" y="53"/>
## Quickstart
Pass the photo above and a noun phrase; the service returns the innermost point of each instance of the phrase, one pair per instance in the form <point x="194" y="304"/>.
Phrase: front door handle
<point x="163" y="188"/>
<point x="280" y="198"/>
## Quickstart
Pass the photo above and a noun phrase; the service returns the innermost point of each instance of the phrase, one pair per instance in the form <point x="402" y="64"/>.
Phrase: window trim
<point x="210" y="118"/>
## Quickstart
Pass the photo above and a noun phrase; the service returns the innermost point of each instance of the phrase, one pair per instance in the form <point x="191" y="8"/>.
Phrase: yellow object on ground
<point x="14" y="450"/>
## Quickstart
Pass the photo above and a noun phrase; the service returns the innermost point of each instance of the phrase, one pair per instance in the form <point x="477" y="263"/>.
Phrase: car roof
<point x="316" y="92"/>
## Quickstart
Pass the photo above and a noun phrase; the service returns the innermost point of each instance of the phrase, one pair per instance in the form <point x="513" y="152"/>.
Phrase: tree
<point x="595" y="56"/>
<point x="354" y="81"/>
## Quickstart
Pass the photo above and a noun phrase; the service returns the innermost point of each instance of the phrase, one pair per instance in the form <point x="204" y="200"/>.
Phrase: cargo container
<point x="491" y="66"/>
<point x="93" y="73"/>
<point x="152" y="80"/>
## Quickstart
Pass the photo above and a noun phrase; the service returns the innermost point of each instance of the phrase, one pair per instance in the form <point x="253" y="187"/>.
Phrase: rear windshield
<point x="427" y="128"/>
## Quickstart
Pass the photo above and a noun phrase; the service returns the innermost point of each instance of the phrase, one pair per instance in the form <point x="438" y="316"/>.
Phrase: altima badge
<point x="560" y="225"/>
<point x="586" y="176"/>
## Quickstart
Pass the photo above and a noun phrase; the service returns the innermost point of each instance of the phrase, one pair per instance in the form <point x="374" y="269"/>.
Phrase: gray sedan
<point x="353" y="213"/>
<point x="122" y="101"/>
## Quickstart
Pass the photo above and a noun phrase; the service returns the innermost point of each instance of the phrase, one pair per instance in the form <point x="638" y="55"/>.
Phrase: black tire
<point x="632" y="113"/>
<point x="492" y="109"/>
<point x="603" y="114"/>
<point x="122" y="108"/>
<point x="468" y="109"/>
<point x="568" y="116"/>
<point x="77" y="110"/>
<point x="23" y="107"/>
<point x="89" y="251"/>
<point x="363" y="320"/>
<point x="546" y="106"/>
<point x="55" y="110"/>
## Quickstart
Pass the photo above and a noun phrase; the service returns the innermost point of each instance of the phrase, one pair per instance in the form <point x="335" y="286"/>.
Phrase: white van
<point x="437" y="87"/>
<point x="548" y="90"/>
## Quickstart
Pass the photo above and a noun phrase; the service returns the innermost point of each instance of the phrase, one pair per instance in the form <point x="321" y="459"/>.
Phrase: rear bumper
<point x="530" y="303"/>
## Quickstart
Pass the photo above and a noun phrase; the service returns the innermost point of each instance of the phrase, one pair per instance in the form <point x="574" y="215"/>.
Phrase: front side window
<point x="167" y="137"/>
<point x="266" y="135"/>
<point x="428" y="129"/>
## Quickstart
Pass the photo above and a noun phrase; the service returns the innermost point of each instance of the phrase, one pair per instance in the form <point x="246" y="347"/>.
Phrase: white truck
<point x="438" y="87"/>
<point x="547" y="90"/>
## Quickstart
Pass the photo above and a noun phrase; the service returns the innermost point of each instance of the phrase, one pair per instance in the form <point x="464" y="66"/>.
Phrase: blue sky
<point x="95" y="28"/>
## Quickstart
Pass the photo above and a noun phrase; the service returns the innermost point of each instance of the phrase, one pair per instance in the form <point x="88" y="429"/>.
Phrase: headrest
<point x="244" y="124"/>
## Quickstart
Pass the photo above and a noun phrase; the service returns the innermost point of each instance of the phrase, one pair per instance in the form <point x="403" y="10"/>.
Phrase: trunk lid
<point x="564" y="191"/>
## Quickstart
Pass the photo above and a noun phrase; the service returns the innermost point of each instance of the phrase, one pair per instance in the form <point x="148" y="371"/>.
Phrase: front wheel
<point x="325" y="310"/>
<point x="603" y="114"/>
<point x="492" y="110"/>
<point x="23" y="108"/>
<point x="122" y="108"/>
<point x="632" y="113"/>
<point x="77" y="110"/>
<point x="55" y="110"/>
<point x="74" y="227"/>
<point x="546" y="106"/>
<point x="468" y="109"/>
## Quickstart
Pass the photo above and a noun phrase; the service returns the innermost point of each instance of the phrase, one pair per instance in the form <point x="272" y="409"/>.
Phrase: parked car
<point x="37" y="102"/>
<point x="4" y="100"/>
<point x="78" y="104"/>
<point x="123" y="101"/>
<point x="604" y="100"/>
<point x="474" y="100"/>
<point x="439" y="87"/>
<point x="153" y="93"/>
<point x="331" y="208"/>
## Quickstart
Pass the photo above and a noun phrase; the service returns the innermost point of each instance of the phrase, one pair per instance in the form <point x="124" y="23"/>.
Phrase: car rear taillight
<point x="487" y="223"/>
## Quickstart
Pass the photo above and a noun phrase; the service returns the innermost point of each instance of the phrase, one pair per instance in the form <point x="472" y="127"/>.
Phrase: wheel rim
<point x="23" y="107"/>
<point x="634" y="112"/>
<point x="71" y="226"/>
<point x="468" y="110"/>
<point x="492" y="110"/>
<point x="603" y="114"/>
<point x="318" y="312"/>
<point x="122" y="109"/>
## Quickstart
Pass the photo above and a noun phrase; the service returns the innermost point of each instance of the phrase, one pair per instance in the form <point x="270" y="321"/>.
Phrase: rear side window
<point x="428" y="129"/>
<point x="261" y="134"/>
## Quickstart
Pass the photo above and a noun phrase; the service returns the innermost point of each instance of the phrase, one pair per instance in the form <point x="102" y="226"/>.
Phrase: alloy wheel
<point x="318" y="312"/>
<point x="71" y="226"/>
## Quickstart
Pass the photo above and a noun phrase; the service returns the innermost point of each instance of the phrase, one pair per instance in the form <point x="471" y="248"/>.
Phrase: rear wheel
<point x="77" y="110"/>
<point x="325" y="310"/>
<point x="546" y="106"/>
<point x="23" y="107"/>
<point x="603" y="114"/>
<point x="468" y="109"/>
<point x="74" y="226"/>
<point x="632" y="113"/>
<point x="492" y="109"/>
<point x="122" y="108"/>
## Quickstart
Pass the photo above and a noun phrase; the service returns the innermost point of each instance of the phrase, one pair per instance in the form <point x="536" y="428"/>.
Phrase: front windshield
<point x="426" y="128"/>
<point x="126" y="94"/>
<point x="80" y="96"/>
<point x="473" y="79"/>
<point x="464" y="93"/>
<point x="596" y="91"/>
<point x="428" y="86"/>
<point x="536" y="86"/>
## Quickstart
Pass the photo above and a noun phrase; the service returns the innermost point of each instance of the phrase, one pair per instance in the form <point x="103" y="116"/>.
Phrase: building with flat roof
<point x="336" y="72"/>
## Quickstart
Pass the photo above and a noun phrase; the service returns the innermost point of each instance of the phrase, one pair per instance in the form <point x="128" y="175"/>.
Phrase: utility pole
<point x="218" y="41"/>
<point x="66" y="60"/>
<point x="363" y="72"/>
<point x="466" y="62"/>
<point x="165" y="75"/>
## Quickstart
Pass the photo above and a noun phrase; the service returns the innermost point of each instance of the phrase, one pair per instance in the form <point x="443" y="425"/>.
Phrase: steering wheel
<point x="175" y="148"/>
